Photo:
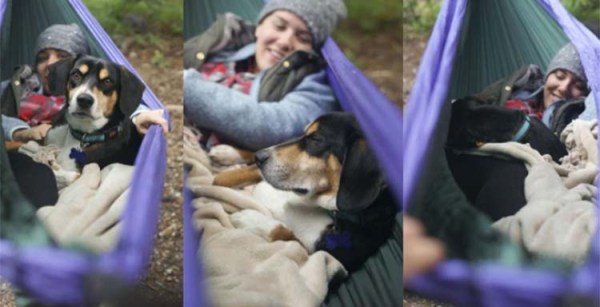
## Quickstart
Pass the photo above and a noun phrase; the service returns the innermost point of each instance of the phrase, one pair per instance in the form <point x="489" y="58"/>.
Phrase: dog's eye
<point x="107" y="82"/>
<point x="315" y="138"/>
<point x="76" y="76"/>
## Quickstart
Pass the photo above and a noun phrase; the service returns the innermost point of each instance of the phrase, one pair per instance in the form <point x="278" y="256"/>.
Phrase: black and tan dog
<point x="94" y="125"/>
<point x="494" y="185"/>
<point x="327" y="189"/>
<point x="474" y="122"/>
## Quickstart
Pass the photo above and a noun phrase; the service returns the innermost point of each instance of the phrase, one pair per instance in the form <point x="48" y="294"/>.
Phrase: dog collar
<point x="524" y="128"/>
<point x="97" y="137"/>
<point x="366" y="217"/>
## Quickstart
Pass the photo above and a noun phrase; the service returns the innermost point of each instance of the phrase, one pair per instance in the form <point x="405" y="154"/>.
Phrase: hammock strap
<point x="3" y="4"/>
<point x="194" y="289"/>
<point x="429" y="91"/>
<point x="380" y="120"/>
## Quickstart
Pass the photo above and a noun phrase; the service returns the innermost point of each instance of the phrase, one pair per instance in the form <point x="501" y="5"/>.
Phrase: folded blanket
<point x="88" y="211"/>
<point x="557" y="220"/>
<point x="241" y="267"/>
<point x="580" y="137"/>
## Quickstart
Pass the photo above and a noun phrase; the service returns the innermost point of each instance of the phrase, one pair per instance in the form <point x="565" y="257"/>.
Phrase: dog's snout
<point x="85" y="101"/>
<point x="261" y="157"/>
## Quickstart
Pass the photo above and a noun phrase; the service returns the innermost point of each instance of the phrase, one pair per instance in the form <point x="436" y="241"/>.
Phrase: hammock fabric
<point x="67" y="277"/>
<point x="460" y="59"/>
<point x="379" y="282"/>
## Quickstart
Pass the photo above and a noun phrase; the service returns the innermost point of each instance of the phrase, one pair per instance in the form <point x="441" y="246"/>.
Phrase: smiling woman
<point x="270" y="73"/>
<point x="278" y="35"/>
<point x="556" y="97"/>
<point x="565" y="78"/>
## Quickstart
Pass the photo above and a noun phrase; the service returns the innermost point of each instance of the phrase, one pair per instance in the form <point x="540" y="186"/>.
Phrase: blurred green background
<point x="155" y="23"/>
<point x="420" y="15"/>
<point x="155" y="19"/>
<point x="149" y="21"/>
<point x="152" y="20"/>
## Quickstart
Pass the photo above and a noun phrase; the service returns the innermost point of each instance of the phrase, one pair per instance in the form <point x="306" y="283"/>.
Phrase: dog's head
<point x="330" y="166"/>
<point x="96" y="91"/>
<point x="474" y="122"/>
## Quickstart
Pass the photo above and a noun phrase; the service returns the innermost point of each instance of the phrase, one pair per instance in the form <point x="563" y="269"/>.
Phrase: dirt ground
<point x="378" y="55"/>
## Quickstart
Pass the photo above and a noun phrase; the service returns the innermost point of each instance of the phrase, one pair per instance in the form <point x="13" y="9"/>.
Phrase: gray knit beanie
<point x="321" y="16"/>
<point x="568" y="59"/>
<point x="68" y="38"/>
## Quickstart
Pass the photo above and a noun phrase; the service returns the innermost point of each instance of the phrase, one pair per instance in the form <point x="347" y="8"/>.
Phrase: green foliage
<point x="584" y="10"/>
<point x="129" y="17"/>
<point x="158" y="59"/>
<point x="374" y="15"/>
<point x="420" y="15"/>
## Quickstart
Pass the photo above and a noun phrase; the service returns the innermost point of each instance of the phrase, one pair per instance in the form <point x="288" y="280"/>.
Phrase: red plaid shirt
<point x="229" y="74"/>
<point x="234" y="75"/>
<point x="38" y="109"/>
<point x="531" y="108"/>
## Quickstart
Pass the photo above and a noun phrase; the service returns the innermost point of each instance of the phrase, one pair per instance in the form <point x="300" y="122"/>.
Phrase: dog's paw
<point x="261" y="225"/>
<point x="225" y="155"/>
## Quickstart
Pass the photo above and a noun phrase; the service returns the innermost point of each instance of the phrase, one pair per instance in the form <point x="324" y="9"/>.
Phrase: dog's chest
<point x="61" y="137"/>
<point x="306" y="222"/>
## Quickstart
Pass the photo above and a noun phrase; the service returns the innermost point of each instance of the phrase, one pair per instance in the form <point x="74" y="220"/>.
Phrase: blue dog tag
<point x="77" y="155"/>
<point x="334" y="241"/>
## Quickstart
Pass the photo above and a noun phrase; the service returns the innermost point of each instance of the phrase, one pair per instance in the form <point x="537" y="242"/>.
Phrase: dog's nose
<point x="85" y="101"/>
<point x="261" y="157"/>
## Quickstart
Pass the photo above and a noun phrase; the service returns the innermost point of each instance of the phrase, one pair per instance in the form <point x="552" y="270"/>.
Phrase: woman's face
<point x="563" y="84"/>
<point x="46" y="58"/>
<point x="278" y="35"/>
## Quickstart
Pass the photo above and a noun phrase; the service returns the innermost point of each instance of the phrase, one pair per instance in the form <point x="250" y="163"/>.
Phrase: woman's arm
<point x="241" y="119"/>
<point x="10" y="125"/>
<point x="143" y="117"/>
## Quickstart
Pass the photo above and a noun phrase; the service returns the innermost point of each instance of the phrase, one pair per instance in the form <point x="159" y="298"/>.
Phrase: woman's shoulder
<point x="228" y="33"/>
<point x="523" y="81"/>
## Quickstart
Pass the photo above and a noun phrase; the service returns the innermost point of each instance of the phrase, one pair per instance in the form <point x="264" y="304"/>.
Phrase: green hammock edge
<point x="200" y="14"/>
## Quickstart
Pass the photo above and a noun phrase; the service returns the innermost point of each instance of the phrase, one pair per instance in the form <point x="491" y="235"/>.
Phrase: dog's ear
<point x="361" y="180"/>
<point x="131" y="93"/>
<point x="58" y="75"/>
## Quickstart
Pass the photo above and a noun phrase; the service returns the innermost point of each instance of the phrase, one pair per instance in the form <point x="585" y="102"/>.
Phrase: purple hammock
<point x="57" y="276"/>
<point x="459" y="282"/>
<point x="381" y="122"/>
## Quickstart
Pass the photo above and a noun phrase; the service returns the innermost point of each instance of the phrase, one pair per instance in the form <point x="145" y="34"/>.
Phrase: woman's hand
<point x="420" y="252"/>
<point x="36" y="133"/>
<point x="152" y="117"/>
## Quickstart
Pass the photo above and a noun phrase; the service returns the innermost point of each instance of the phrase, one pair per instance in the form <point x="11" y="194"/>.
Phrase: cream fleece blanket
<point x="241" y="267"/>
<point x="560" y="216"/>
<point x="88" y="210"/>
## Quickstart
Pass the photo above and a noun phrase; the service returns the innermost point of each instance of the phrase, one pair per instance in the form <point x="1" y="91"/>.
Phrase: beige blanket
<point x="560" y="216"/>
<point x="88" y="210"/>
<point x="241" y="267"/>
